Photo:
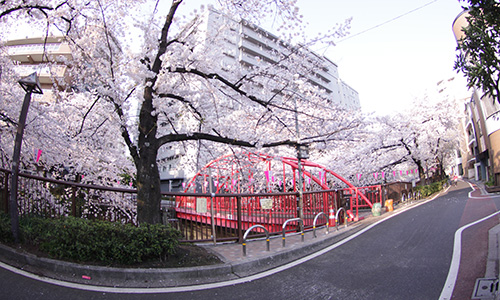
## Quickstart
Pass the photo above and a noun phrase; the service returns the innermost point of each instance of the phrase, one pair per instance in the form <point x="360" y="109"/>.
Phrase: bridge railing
<point x="232" y="214"/>
<point x="190" y="213"/>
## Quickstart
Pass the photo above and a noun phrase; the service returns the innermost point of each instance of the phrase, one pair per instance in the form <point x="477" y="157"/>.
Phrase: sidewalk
<point x="258" y="259"/>
<point x="487" y="287"/>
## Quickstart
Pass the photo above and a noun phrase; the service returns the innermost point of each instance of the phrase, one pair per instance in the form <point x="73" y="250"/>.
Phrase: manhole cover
<point x="485" y="288"/>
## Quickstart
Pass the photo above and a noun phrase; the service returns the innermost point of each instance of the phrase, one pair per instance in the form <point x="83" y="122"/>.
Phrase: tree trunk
<point x="421" y="172"/>
<point x="148" y="175"/>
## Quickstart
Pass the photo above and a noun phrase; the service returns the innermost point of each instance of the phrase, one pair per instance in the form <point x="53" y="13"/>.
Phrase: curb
<point x="258" y="265"/>
<point x="492" y="263"/>
<point x="110" y="276"/>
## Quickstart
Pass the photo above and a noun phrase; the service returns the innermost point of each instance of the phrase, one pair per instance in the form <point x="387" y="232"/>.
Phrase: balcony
<point x="249" y="59"/>
<point x="35" y="53"/>
<point x="171" y="174"/>
<point x="258" y="51"/>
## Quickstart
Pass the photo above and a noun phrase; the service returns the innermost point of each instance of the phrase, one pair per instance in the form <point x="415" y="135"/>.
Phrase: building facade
<point x="245" y="45"/>
<point x="481" y="154"/>
<point x="33" y="54"/>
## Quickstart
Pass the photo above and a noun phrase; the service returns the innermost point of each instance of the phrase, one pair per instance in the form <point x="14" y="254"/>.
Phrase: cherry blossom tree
<point x="167" y="67"/>
<point x="423" y="137"/>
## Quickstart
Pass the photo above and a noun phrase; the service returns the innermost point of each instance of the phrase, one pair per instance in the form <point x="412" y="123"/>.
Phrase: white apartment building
<point x="32" y="55"/>
<point x="245" y="45"/>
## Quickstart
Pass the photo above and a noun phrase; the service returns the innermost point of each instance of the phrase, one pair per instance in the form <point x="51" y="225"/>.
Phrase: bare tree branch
<point x="196" y="136"/>
<point x="7" y="119"/>
<point x="86" y="114"/>
<point x="40" y="8"/>
<point x="183" y="100"/>
<point x="107" y="33"/>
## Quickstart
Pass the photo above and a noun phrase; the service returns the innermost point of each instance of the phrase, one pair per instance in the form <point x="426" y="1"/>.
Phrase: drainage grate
<point x="485" y="288"/>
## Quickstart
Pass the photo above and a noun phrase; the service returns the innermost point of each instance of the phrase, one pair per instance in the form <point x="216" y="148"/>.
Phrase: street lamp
<point x="31" y="85"/>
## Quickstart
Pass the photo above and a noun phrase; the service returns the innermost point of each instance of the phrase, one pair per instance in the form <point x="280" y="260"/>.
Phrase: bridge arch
<point x="252" y="172"/>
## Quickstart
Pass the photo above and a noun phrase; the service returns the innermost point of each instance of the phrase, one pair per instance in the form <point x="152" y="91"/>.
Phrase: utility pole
<point x="300" y="200"/>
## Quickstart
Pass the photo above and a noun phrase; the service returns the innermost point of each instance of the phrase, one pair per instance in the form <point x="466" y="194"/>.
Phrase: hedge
<point x="430" y="189"/>
<point x="82" y="240"/>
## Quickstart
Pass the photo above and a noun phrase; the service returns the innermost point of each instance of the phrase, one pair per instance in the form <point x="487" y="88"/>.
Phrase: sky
<point x="396" y="62"/>
<point x="389" y="63"/>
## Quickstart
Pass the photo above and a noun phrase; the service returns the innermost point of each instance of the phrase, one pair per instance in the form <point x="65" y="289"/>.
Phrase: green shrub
<point x="99" y="241"/>
<point x="5" y="229"/>
<point x="430" y="189"/>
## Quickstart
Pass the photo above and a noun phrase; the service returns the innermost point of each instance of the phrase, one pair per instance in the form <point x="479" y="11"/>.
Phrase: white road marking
<point x="449" y="285"/>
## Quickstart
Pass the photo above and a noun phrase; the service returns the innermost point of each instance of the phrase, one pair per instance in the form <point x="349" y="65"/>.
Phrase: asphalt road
<point x="405" y="257"/>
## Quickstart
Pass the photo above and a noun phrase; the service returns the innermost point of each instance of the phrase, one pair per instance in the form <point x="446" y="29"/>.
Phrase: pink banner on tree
<point x="38" y="154"/>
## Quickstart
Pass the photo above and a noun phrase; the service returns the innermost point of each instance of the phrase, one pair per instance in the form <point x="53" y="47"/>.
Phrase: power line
<point x="388" y="21"/>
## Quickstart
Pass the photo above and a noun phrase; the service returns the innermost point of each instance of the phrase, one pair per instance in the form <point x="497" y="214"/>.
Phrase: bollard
<point x="314" y="223"/>
<point x="244" y="244"/>
<point x="291" y="220"/>
<point x="337" y="218"/>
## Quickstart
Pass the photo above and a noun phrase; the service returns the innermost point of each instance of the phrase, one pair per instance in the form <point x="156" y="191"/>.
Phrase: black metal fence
<point x="53" y="198"/>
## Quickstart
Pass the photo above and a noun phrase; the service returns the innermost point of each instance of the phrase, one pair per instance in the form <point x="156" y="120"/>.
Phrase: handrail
<point x="245" y="238"/>
<point x="73" y="184"/>
<point x="314" y="223"/>
<point x="292" y="220"/>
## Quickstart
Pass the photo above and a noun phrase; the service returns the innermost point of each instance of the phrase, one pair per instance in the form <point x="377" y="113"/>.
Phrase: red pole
<point x="284" y="177"/>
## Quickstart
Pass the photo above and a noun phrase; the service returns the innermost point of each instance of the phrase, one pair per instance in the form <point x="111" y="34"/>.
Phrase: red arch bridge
<point x="236" y="191"/>
<point x="224" y="199"/>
